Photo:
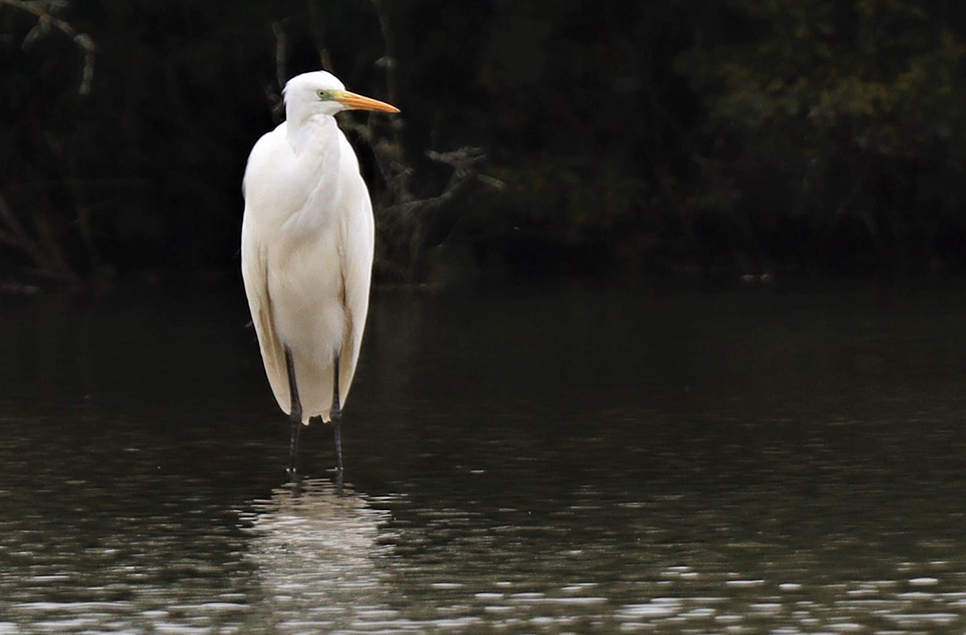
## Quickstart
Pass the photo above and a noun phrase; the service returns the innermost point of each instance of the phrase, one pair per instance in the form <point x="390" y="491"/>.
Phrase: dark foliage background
<point x="742" y="137"/>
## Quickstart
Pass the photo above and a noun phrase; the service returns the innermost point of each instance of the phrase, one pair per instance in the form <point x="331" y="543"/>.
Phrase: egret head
<point x="321" y="93"/>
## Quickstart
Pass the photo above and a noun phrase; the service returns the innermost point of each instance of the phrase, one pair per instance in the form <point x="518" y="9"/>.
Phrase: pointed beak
<point x="358" y="102"/>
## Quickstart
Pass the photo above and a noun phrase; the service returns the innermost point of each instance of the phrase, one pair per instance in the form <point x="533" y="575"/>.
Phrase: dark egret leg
<point x="336" y="416"/>
<point x="296" y="410"/>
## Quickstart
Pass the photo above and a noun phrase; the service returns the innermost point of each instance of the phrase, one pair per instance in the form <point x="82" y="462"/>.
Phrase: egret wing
<point x="356" y="255"/>
<point x="255" y="275"/>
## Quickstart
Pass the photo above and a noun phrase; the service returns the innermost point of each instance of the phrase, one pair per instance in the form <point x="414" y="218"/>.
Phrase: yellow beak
<point x="358" y="102"/>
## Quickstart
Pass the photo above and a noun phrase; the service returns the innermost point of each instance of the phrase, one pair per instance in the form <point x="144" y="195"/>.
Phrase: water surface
<point x="523" y="461"/>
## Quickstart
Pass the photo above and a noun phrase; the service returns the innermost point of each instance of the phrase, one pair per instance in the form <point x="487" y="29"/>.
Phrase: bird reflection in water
<point x="319" y="551"/>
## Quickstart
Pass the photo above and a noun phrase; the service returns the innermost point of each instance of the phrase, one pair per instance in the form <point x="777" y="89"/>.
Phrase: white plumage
<point x="307" y="244"/>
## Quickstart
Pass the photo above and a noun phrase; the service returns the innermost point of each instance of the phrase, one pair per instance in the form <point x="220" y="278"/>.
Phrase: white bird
<point x="306" y="251"/>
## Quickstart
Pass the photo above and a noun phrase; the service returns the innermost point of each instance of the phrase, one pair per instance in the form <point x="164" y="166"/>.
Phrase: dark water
<point x="529" y="461"/>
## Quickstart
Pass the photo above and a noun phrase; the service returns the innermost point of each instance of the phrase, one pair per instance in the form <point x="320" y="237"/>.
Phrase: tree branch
<point x="17" y="237"/>
<point x="281" y="54"/>
<point x="44" y="11"/>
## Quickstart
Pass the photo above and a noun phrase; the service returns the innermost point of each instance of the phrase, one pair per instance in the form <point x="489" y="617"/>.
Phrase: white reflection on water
<point x="317" y="555"/>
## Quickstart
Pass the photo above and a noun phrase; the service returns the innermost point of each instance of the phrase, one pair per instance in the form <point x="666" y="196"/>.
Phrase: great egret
<point x="306" y="252"/>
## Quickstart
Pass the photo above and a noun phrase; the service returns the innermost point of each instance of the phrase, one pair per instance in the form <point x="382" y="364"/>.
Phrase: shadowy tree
<point x="827" y="120"/>
<point x="42" y="215"/>
<point x="629" y="136"/>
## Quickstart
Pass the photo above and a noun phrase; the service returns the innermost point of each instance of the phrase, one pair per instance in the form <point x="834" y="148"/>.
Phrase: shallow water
<point x="524" y="461"/>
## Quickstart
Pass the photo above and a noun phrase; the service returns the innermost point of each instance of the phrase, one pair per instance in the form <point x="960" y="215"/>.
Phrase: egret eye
<point x="323" y="94"/>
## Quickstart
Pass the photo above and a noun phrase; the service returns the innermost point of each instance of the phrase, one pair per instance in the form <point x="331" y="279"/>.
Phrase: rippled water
<point x="528" y="461"/>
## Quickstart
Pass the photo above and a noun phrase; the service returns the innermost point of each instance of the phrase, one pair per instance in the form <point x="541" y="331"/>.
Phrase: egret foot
<point x="337" y="436"/>
<point x="294" y="446"/>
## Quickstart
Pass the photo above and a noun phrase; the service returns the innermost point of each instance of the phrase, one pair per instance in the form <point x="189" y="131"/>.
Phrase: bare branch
<point x="318" y="34"/>
<point x="44" y="11"/>
<point x="281" y="43"/>
<point x="388" y="61"/>
<point x="464" y="162"/>
<point x="13" y="223"/>
<point x="86" y="44"/>
<point x="15" y="235"/>
<point x="39" y="30"/>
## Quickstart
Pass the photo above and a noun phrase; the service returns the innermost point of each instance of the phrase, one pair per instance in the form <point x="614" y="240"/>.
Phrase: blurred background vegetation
<point x="720" y="139"/>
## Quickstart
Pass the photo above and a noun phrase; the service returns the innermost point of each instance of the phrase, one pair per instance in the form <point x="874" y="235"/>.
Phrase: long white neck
<point x="310" y="132"/>
<point x="315" y="141"/>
